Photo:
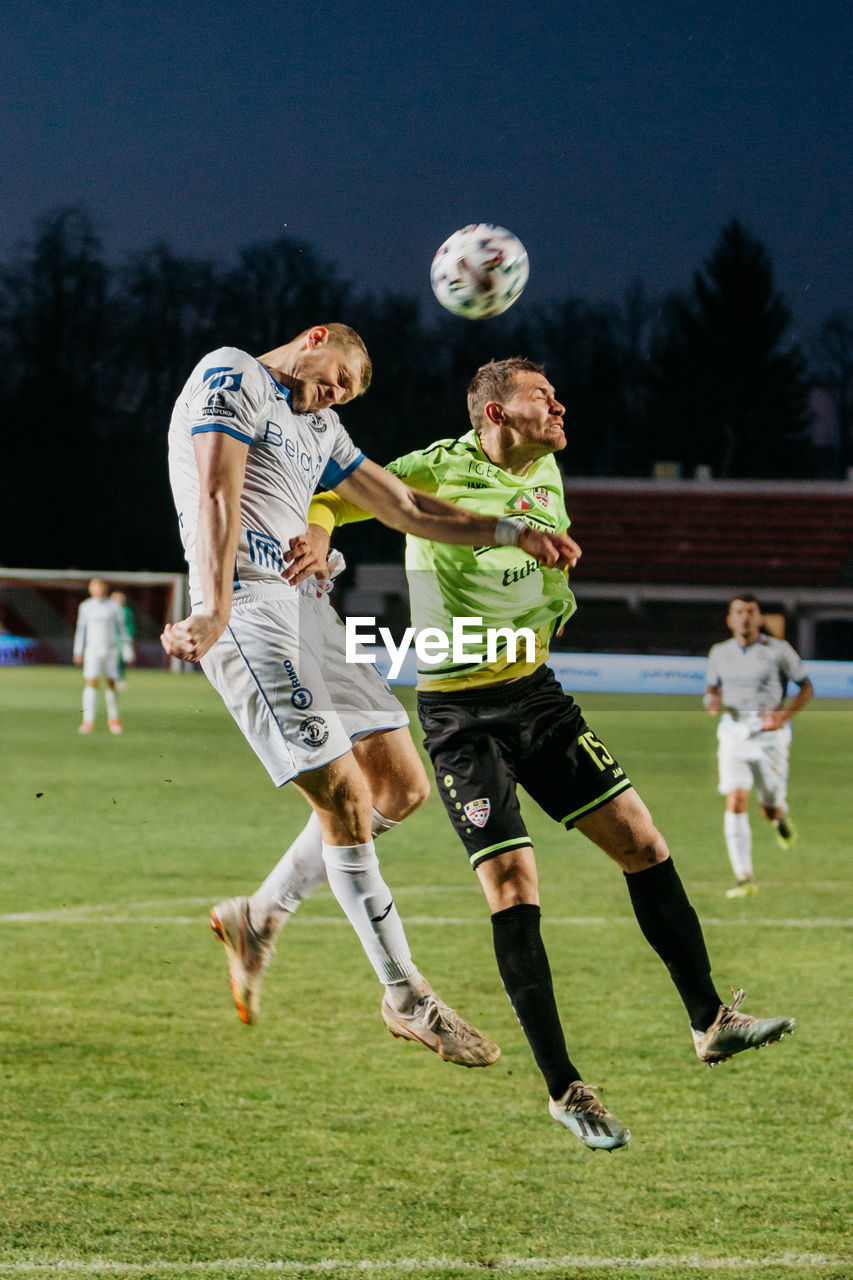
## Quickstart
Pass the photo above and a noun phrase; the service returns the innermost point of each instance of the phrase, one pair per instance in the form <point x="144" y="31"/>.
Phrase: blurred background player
<point x="746" y="681"/>
<point x="127" y="654"/>
<point x="98" y="640"/>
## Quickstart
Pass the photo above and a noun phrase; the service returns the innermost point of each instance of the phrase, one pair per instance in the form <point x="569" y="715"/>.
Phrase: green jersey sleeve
<point x="423" y="468"/>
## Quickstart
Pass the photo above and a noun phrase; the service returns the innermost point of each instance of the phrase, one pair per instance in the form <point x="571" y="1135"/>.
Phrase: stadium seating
<point x="754" y="536"/>
<point x="660" y="559"/>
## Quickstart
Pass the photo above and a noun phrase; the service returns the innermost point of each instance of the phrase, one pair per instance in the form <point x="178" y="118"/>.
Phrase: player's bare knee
<point x="414" y="795"/>
<point x="396" y="798"/>
<point x="641" y="852"/>
<point x="394" y="772"/>
<point x="737" y="801"/>
<point x="510" y="879"/>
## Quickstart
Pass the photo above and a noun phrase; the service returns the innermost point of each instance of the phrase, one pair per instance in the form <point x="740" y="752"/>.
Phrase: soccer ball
<point x="479" y="271"/>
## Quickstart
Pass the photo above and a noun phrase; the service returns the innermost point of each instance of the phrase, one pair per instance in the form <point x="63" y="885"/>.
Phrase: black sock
<point x="672" y="927"/>
<point x="526" y="975"/>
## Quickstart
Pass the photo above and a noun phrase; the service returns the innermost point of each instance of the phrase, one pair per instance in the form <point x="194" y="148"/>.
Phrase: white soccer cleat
<point x="434" y="1024"/>
<point x="580" y="1111"/>
<point x="732" y="1031"/>
<point x="743" y="889"/>
<point x="785" y="832"/>
<point x="248" y="951"/>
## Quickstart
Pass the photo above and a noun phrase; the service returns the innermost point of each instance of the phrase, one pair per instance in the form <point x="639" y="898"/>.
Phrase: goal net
<point x="38" y="612"/>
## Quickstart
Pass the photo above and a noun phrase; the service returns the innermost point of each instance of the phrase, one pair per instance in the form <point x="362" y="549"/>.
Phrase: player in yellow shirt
<point x="499" y="720"/>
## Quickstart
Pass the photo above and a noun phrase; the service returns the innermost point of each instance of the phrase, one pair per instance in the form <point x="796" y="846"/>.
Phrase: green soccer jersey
<point x="503" y="586"/>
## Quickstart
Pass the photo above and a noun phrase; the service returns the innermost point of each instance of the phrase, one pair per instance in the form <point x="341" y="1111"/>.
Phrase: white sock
<point x="356" y="881"/>
<point x="296" y="876"/>
<point x="739" y="843"/>
<point x="90" y="702"/>
<point x="299" y="873"/>
<point x="112" y="704"/>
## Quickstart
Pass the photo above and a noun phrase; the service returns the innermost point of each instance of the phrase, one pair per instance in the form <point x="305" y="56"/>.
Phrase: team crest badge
<point x="541" y="495"/>
<point x="520" y="502"/>
<point x="477" y="811"/>
<point x="314" y="731"/>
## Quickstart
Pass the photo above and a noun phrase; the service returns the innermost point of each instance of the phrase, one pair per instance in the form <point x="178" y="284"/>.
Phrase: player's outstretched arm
<point x="221" y="468"/>
<point x="427" y="516"/>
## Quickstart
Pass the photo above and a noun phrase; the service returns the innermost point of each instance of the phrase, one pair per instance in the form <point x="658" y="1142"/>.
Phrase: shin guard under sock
<point x="672" y="928"/>
<point x="526" y="975"/>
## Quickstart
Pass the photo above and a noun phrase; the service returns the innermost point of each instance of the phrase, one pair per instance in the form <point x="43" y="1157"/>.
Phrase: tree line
<point x="94" y="355"/>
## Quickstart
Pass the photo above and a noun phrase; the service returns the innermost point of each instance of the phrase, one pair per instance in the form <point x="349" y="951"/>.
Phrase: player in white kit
<point x="249" y="443"/>
<point x="747" y="679"/>
<point x="99" y="638"/>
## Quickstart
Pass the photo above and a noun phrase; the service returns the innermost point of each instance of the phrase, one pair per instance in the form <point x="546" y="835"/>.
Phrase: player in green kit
<point x="500" y="719"/>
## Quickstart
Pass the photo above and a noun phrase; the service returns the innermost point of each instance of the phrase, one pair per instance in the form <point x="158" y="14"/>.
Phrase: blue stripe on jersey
<point x="206" y="427"/>
<point x="333" y="474"/>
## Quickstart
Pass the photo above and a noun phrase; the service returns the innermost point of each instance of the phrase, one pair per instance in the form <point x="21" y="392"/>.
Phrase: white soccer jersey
<point x="290" y="456"/>
<point x="753" y="677"/>
<point x="100" y="627"/>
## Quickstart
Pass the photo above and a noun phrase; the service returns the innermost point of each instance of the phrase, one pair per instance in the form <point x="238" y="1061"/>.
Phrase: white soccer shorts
<point x="280" y="668"/>
<point x="100" y="662"/>
<point x="759" y="757"/>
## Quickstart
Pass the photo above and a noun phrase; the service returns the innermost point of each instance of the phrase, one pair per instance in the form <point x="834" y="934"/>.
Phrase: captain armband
<point x="320" y="514"/>
<point x="508" y="531"/>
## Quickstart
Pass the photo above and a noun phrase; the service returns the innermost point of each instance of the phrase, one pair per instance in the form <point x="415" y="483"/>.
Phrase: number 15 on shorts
<point x="596" y="750"/>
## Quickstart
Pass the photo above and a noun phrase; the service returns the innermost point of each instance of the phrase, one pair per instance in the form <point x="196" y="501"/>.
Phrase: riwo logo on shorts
<point x="314" y="731"/>
<point x="477" y="811"/>
<point x="301" y="697"/>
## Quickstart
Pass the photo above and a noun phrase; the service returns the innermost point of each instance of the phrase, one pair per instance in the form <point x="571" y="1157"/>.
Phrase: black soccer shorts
<point x="484" y="742"/>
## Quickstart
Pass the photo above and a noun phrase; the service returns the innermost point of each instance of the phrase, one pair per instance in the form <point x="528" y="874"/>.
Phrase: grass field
<point x="144" y="1131"/>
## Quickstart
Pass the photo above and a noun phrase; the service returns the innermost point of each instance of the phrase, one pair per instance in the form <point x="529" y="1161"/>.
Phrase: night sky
<point x="615" y="139"/>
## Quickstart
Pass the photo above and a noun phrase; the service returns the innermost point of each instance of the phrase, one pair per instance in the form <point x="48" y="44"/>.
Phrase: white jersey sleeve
<point x="790" y="663"/>
<point x="712" y="670"/>
<point x="343" y="459"/>
<point x="226" y="393"/>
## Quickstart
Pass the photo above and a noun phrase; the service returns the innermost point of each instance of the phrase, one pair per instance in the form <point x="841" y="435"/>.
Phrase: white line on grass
<point x="798" y="1263"/>
<point x="81" y="915"/>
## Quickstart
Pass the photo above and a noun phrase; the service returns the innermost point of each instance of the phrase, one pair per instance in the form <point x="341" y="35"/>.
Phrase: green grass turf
<point x="145" y="1131"/>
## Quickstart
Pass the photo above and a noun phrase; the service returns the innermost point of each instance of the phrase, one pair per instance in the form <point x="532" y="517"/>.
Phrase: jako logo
<point x="301" y="697"/>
